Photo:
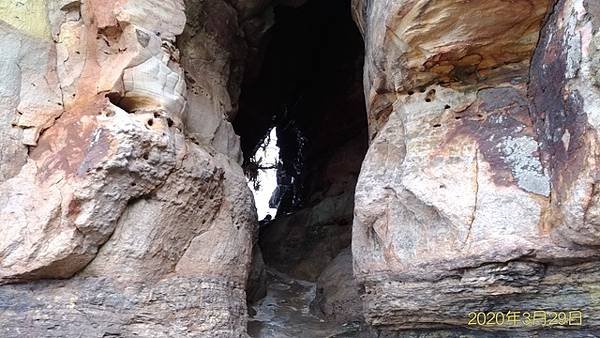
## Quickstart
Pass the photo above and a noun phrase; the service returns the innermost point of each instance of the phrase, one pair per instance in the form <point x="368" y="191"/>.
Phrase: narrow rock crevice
<point x="309" y="87"/>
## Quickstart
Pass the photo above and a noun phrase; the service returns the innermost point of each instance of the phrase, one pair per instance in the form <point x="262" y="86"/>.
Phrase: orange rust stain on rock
<point x="497" y="113"/>
<point x="98" y="17"/>
<point x="63" y="147"/>
<point x="550" y="217"/>
<point x="449" y="48"/>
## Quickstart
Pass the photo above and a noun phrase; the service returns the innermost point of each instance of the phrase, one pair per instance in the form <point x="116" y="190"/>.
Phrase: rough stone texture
<point x="100" y="184"/>
<point x="303" y="243"/>
<point x="411" y="43"/>
<point x="100" y="307"/>
<point x="565" y="104"/>
<point x="124" y="210"/>
<point x="26" y="40"/>
<point x="337" y="293"/>
<point x="219" y="40"/>
<point x="257" y="279"/>
<point x="478" y="189"/>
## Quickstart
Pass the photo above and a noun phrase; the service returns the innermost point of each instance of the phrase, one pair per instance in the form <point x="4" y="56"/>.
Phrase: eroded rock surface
<point x="477" y="192"/>
<point x="124" y="210"/>
<point x="101" y="184"/>
<point x="337" y="294"/>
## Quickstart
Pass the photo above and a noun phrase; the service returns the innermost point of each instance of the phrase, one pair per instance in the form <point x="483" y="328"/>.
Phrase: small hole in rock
<point x="150" y="122"/>
<point x="410" y="92"/>
<point x="480" y="115"/>
<point x="133" y="184"/>
<point x="145" y="156"/>
<point x="427" y="100"/>
<point x="422" y="89"/>
<point x="457" y="117"/>
<point x="169" y="122"/>
<point x="157" y="115"/>
<point x="432" y="92"/>
<point x="437" y="125"/>
<point x="447" y="107"/>
<point x="116" y="98"/>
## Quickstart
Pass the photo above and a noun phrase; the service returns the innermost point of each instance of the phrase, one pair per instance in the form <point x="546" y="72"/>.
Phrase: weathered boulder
<point x="100" y="184"/>
<point x="218" y="42"/>
<point x="303" y="243"/>
<point x="124" y="210"/>
<point x="337" y="292"/>
<point x="472" y="196"/>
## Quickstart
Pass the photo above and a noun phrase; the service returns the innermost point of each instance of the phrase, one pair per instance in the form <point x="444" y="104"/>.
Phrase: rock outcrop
<point x="102" y="180"/>
<point x="478" y="192"/>
<point x="125" y="211"/>
<point x="337" y="292"/>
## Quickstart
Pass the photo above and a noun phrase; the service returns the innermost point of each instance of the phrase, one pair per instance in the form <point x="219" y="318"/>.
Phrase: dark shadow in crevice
<point x="309" y="86"/>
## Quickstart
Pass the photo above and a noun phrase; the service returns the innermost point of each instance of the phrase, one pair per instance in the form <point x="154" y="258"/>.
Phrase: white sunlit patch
<point x="267" y="157"/>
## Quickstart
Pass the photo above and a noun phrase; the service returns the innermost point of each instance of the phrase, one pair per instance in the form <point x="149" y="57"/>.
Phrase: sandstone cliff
<point x="478" y="189"/>
<point x="120" y="170"/>
<point x="124" y="208"/>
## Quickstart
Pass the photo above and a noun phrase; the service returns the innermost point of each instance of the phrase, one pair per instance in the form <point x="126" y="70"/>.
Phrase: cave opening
<point x="306" y="92"/>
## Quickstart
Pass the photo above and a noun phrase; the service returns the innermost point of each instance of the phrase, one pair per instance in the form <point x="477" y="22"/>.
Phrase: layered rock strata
<point x="478" y="189"/>
<point x="104" y="179"/>
<point x="124" y="210"/>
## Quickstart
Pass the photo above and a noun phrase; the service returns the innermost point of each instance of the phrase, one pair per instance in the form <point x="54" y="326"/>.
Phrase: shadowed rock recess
<point x="445" y="162"/>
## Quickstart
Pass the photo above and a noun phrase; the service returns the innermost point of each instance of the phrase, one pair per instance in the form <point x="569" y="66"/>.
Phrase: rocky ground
<point x="285" y="311"/>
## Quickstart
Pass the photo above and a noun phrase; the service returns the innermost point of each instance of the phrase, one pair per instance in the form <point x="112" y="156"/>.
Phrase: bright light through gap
<point x="268" y="157"/>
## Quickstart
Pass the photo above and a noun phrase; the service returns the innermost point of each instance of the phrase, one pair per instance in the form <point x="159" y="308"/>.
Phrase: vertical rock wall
<point x="478" y="189"/>
<point x="124" y="211"/>
<point x="123" y="208"/>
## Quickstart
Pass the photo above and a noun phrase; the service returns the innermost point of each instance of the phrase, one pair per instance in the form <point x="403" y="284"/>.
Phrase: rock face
<point x="478" y="189"/>
<point x="124" y="209"/>
<point x="101" y="183"/>
<point x="302" y="243"/>
<point x="337" y="293"/>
